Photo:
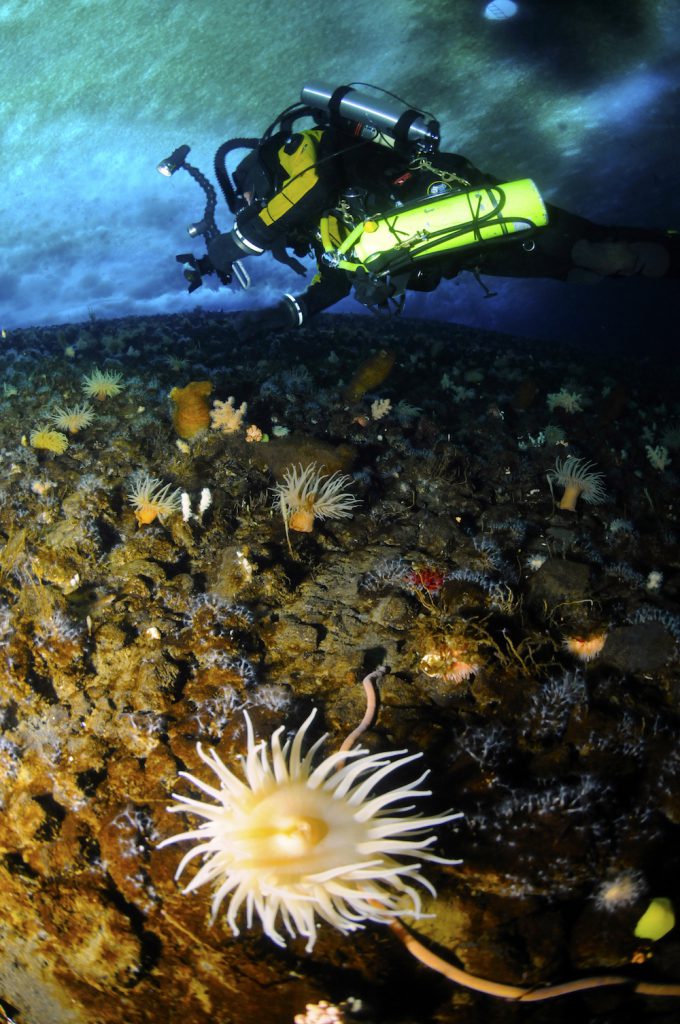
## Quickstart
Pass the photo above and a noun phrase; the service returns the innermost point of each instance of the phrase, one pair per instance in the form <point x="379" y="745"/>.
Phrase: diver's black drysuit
<point x="291" y="181"/>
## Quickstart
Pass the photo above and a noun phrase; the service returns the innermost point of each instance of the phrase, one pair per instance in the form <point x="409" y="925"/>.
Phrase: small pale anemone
<point x="304" y="843"/>
<point x="570" y="401"/>
<point x="73" y="419"/>
<point x="620" y="890"/>
<point x="449" y="664"/>
<point x="152" y="499"/>
<point x="578" y="481"/>
<point x="322" y="1012"/>
<point x="585" y="647"/>
<point x="101" y="384"/>
<point x="535" y="560"/>
<point x="306" y="494"/>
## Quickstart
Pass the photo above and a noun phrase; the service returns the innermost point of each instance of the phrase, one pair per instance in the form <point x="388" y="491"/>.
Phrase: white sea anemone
<point x="73" y="418"/>
<point x="578" y="480"/>
<point x="585" y="647"/>
<point x="101" y="384"/>
<point x="152" y="499"/>
<point x="307" y="493"/>
<point x="308" y="843"/>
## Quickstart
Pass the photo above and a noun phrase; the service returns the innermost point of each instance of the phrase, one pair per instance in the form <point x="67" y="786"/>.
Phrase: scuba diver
<point x="367" y="192"/>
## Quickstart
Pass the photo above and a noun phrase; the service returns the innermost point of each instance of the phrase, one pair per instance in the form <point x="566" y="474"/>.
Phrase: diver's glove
<point x="283" y="316"/>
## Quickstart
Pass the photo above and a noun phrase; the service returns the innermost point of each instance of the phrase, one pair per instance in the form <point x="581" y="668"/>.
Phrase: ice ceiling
<point x="581" y="97"/>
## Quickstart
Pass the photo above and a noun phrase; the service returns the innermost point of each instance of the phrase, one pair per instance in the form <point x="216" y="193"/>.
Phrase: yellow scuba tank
<point x="436" y="225"/>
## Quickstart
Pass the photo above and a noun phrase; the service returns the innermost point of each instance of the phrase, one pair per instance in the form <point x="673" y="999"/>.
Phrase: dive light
<point x="173" y="162"/>
<point x="374" y="115"/>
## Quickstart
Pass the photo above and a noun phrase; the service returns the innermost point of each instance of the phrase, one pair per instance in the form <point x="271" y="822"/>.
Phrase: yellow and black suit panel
<point x="306" y="186"/>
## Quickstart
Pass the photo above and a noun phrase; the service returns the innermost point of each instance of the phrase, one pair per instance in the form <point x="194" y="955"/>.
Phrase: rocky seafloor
<point x="532" y="653"/>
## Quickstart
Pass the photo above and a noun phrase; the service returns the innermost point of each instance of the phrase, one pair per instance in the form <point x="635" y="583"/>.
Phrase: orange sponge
<point x="191" y="412"/>
<point x="370" y="374"/>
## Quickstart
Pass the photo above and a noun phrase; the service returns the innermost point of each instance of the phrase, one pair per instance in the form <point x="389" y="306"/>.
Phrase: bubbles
<point x="500" y="10"/>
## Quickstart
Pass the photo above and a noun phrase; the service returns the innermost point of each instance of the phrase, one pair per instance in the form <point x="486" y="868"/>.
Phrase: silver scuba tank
<point x="374" y="115"/>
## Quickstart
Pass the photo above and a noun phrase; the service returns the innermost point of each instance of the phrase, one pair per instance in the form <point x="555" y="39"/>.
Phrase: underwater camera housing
<point x="195" y="269"/>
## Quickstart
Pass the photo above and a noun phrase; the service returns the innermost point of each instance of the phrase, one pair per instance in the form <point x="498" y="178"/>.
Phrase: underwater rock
<point x="291" y="638"/>
<point x="94" y="941"/>
<point x="35" y="974"/>
<point x="642" y="648"/>
<point x="525" y="393"/>
<point x="392" y="611"/>
<point x="604" y="938"/>
<point x="560" y="586"/>
<point x="456" y="922"/>
<point x="298" y="449"/>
